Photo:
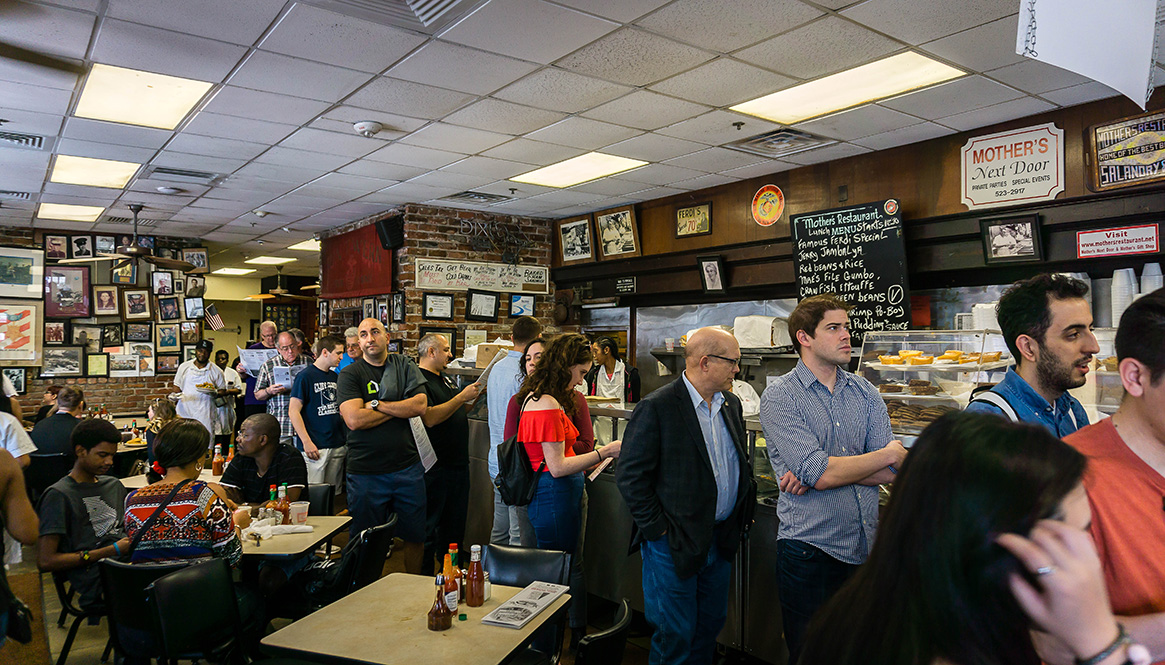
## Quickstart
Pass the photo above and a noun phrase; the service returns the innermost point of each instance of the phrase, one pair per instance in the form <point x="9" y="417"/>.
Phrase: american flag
<point x="212" y="318"/>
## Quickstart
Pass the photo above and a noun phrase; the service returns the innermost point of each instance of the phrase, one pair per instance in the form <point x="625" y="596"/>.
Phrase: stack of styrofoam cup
<point x="1124" y="291"/>
<point x="1151" y="278"/>
<point x="983" y="315"/>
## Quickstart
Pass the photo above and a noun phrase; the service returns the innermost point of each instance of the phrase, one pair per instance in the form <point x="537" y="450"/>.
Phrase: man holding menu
<point x="275" y="380"/>
<point x="251" y="404"/>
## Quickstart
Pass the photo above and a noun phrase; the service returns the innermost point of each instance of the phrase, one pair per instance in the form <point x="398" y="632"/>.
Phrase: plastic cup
<point x="299" y="512"/>
<point x="670" y="343"/>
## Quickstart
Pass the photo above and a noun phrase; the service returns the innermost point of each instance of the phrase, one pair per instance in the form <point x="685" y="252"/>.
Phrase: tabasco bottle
<point x="216" y="465"/>
<point x="440" y="617"/>
<point x="270" y="507"/>
<point x="450" y="577"/>
<point x="475" y="579"/>
<point x="230" y="454"/>
<point x="460" y="577"/>
<point x="283" y="505"/>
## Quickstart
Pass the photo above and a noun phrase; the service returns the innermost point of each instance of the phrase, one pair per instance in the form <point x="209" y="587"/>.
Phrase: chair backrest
<point x="372" y="547"/>
<point x="125" y="598"/>
<point x="519" y="566"/>
<point x="606" y="647"/>
<point x="196" y="610"/>
<point x="44" y="470"/>
<point x="319" y="499"/>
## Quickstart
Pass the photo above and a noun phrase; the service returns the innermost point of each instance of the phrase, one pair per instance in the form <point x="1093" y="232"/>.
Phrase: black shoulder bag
<point x="516" y="481"/>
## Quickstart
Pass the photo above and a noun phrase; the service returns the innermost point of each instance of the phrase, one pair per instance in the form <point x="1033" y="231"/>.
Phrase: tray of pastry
<point x="907" y="417"/>
<point x="905" y="360"/>
<point x="914" y="388"/>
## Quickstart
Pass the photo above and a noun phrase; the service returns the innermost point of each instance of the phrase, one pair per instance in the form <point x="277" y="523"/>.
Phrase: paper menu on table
<point x="525" y="605"/>
<point x="253" y="359"/>
<point x="285" y="376"/>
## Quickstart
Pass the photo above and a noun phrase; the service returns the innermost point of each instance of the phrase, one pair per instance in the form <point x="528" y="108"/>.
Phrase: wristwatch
<point x="374" y="405"/>
<point x="85" y="558"/>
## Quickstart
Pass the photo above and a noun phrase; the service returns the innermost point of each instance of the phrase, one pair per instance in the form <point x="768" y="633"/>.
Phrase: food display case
<point x="1102" y="391"/>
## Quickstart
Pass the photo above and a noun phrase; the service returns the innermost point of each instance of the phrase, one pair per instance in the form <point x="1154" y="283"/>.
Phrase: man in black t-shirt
<point x="385" y="474"/>
<point x="51" y="435"/>
<point x="447" y="424"/>
<point x="261" y="461"/>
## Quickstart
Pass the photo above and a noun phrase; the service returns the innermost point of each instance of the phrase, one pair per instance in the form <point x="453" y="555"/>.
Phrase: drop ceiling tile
<point x="1036" y="77"/>
<point x="826" y="154"/>
<point x="715" y="160"/>
<point x="408" y="98"/>
<point x="547" y="31"/>
<point x="717" y="127"/>
<point x="123" y="153"/>
<point x="821" y="47"/>
<point x="18" y="72"/>
<point x="488" y="167"/>
<point x="156" y="203"/>
<point x="982" y="48"/>
<point x="96" y="197"/>
<point x="1079" y="94"/>
<point x="31" y="122"/>
<point x="412" y="155"/>
<point x="239" y="129"/>
<point x="522" y="207"/>
<point x="268" y="106"/>
<point x="65" y="189"/>
<point x="856" y="123"/>
<point x="285" y="208"/>
<point x="181" y="160"/>
<point x="447" y="179"/>
<point x="705" y="181"/>
<point x="114" y="132"/>
<point x="324" y="36"/>
<point x="723" y="82"/>
<point x="352" y="183"/>
<point x="660" y="174"/>
<point x="904" y="136"/>
<point x="414" y="191"/>
<point x="927" y="20"/>
<point x="273" y="72"/>
<point x="965" y="94"/>
<point x="237" y="207"/>
<point x="767" y="167"/>
<point x="332" y="143"/>
<point x="623" y="11"/>
<point x="559" y="90"/>
<point x="609" y="187"/>
<point x="1018" y="108"/>
<point x="634" y="57"/>
<point x="149" y="186"/>
<point x="253" y="197"/>
<point x="644" y="109"/>
<point x="61" y="225"/>
<point x="284" y="156"/>
<point x="340" y="127"/>
<point x="583" y="133"/>
<point x="164" y="52"/>
<point x="215" y="147"/>
<point x="280" y="173"/>
<point x="331" y="194"/>
<point x="394" y="125"/>
<point x="232" y="238"/>
<point x="225" y="20"/>
<point x="357" y="209"/>
<point x="44" y="29"/>
<point x="501" y="116"/>
<point x="565" y="197"/>
<point x="442" y="136"/>
<point x="381" y="170"/>
<point x="443" y="64"/>
<point x="533" y="152"/>
<point x="655" y="193"/>
<point x="385" y="198"/>
<point x="653" y="147"/>
<point x="521" y="190"/>
<point x="34" y="98"/>
<point x="726" y="25"/>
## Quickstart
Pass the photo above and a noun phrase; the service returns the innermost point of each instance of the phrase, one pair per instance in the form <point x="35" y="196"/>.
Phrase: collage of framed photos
<point x="387" y="309"/>
<point x="483" y="306"/>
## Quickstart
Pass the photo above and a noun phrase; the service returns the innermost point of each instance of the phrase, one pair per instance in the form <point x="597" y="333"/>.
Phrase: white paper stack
<point x="1124" y="291"/>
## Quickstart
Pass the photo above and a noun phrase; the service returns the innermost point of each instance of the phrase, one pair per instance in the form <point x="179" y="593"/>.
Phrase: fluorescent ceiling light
<point x="269" y="260"/>
<point x="135" y="97"/>
<point x="578" y="169"/>
<point x="70" y="213"/>
<point x="233" y="272"/>
<point x="312" y="245"/>
<point x="870" y="82"/>
<point x="72" y="170"/>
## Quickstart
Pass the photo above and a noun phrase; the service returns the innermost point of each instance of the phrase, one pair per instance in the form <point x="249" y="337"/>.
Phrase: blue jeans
<point x="554" y="511"/>
<point x="687" y="614"/>
<point x="806" y="579"/>
<point x="372" y="498"/>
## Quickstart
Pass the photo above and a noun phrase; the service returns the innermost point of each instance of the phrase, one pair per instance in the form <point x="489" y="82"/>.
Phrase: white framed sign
<point x="1141" y="239"/>
<point x="1013" y="167"/>
<point x="438" y="275"/>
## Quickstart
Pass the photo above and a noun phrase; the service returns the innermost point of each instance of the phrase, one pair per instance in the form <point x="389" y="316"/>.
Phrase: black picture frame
<point x="712" y="276"/>
<point x="60" y="361"/>
<point x="55" y="246"/>
<point x="368" y="308"/>
<point x="81" y="247"/>
<point x="397" y="301"/>
<point x="168" y="363"/>
<point x="522" y="304"/>
<point x="56" y="333"/>
<point x="169" y="309"/>
<point x="437" y="306"/>
<point x="694" y="220"/>
<point x="1014" y="239"/>
<point x="450" y="334"/>
<point x="112" y="335"/>
<point x="105" y="244"/>
<point x="194" y="308"/>
<point x="18" y="377"/>
<point x="482" y="305"/>
<point x="162" y="283"/>
<point x="139" y="331"/>
<point x="90" y="370"/>
<point x="323" y="314"/>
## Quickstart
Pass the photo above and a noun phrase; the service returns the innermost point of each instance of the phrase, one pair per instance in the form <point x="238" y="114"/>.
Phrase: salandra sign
<point x="1013" y="167"/>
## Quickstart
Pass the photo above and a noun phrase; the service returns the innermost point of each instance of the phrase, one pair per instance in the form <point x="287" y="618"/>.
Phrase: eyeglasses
<point x="734" y="361"/>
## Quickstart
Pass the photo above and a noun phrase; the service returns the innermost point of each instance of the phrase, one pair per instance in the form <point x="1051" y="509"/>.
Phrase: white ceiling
<point x="514" y="85"/>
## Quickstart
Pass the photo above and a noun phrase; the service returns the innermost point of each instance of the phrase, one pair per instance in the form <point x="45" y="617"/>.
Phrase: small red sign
<point x="1142" y="239"/>
<point x="767" y="205"/>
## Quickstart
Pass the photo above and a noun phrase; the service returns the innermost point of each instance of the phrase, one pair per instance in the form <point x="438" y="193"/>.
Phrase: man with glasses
<point x="829" y="441"/>
<point x="352" y="350"/>
<point x="684" y="474"/>
<point x="267" y="333"/>
<point x="277" y="394"/>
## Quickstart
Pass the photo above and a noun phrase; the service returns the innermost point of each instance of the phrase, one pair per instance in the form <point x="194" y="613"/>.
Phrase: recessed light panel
<point x="269" y="260"/>
<point x="578" y="169"/>
<point x="870" y="82"/>
<point x="312" y="245"/>
<point x="233" y="272"/>
<point x="134" y="97"/>
<point x="72" y="170"/>
<point x="69" y="212"/>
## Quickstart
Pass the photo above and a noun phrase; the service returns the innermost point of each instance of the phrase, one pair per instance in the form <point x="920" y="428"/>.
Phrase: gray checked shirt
<point x="277" y="404"/>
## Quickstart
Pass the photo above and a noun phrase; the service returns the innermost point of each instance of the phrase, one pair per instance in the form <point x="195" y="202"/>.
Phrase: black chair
<point x="44" y="470"/>
<point x="131" y="626"/>
<point x="606" y="647"/>
<point x="319" y="498"/>
<point x="213" y="631"/>
<point x="66" y="594"/>
<point x="519" y="566"/>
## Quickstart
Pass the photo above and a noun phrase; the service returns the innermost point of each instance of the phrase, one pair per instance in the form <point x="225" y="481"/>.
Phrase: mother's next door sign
<point x="1013" y="167"/>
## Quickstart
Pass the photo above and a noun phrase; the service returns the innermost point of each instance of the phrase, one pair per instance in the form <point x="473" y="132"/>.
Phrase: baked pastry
<point x="1111" y="363"/>
<point x="891" y="388"/>
<point x="920" y="360"/>
<point x="951" y="354"/>
<point x="891" y="360"/>
<point x="919" y="382"/>
<point x="906" y="353"/>
<point x="924" y="390"/>
<point x="991" y="356"/>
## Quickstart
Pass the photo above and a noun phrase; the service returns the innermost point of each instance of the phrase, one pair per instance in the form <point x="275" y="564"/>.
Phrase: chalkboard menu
<point x="858" y="254"/>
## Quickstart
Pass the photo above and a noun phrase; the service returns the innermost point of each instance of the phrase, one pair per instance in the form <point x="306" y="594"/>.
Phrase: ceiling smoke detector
<point x="368" y="128"/>
<point x="169" y="190"/>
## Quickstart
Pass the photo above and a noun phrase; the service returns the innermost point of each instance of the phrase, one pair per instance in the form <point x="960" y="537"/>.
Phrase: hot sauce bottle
<point x="475" y="579"/>
<point x="440" y="616"/>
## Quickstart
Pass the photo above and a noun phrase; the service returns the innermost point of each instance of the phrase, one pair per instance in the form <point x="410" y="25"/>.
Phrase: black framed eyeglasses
<point x="734" y="361"/>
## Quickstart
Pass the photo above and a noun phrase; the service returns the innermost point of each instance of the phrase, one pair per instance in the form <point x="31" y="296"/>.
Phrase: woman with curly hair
<point x="160" y="412"/>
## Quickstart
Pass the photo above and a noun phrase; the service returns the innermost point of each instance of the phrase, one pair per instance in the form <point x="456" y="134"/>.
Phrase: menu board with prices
<point x="857" y="253"/>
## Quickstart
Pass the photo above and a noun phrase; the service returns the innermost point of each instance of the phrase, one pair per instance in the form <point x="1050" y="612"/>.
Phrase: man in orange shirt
<point x="1125" y="480"/>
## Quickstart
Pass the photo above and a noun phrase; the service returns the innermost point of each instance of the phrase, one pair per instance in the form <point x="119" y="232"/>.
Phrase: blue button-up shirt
<point x="1061" y="419"/>
<point x="805" y="424"/>
<point x="503" y="383"/>
<point x="721" y="451"/>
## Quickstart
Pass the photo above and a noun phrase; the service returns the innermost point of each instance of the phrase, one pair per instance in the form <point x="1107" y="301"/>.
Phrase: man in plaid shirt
<point x="278" y="395"/>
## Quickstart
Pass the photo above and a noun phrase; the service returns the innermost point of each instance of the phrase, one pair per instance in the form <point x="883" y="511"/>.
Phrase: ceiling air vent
<point x="22" y="196"/>
<point x="780" y="143"/>
<point x="427" y="16"/>
<point x="23" y="140"/>
<point x="480" y="198"/>
<point x="182" y="175"/>
<point x="128" y="221"/>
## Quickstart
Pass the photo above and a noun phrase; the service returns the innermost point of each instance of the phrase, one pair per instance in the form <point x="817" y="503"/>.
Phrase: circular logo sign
<point x="891" y="207"/>
<point x="767" y="205"/>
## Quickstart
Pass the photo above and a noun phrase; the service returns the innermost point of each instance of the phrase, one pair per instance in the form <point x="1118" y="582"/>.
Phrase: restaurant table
<point x="295" y="544"/>
<point x="386" y="622"/>
<point x="136" y="482"/>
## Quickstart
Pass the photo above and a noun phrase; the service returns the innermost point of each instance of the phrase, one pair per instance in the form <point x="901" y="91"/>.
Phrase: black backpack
<point x="516" y="481"/>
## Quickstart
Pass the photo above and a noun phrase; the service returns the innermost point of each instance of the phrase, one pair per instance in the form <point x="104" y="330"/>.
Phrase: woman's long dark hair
<point x="551" y="376"/>
<point x="609" y="346"/>
<point x="936" y="584"/>
<point x="526" y="352"/>
<point x="180" y="442"/>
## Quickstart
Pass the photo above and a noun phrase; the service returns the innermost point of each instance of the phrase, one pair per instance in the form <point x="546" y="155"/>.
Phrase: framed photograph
<point x="188" y="352"/>
<point x="712" y="273"/>
<point x="179" y="285"/>
<point x="66" y="291"/>
<point x="437" y="306"/>
<point x="521" y="304"/>
<point x="382" y="310"/>
<point x="190" y="332"/>
<point x="167" y="363"/>
<point x="86" y="336"/>
<point x="617" y="233"/>
<point x="1011" y="239"/>
<point x="81" y="247"/>
<point x="105" y="244"/>
<point x="195" y="286"/>
<point x="63" y="361"/>
<point x="147" y="242"/>
<point x="194" y="307"/>
<point x="168" y="308"/>
<point x="694" y="220"/>
<point x="111" y="335"/>
<point x="56" y="247"/>
<point x="197" y="257"/>
<point x="97" y="364"/>
<point x="162" y="282"/>
<point x="145" y="364"/>
<point x="475" y="337"/>
<point x="482" y="305"/>
<point x="139" y="332"/>
<point x="124" y="273"/>
<point x="125" y="240"/>
<point x="449" y="333"/>
<point x="18" y="377"/>
<point x="21" y="332"/>
<point x="144" y="349"/>
<point x="168" y="340"/>
<point x="398" y="307"/>
<point x="323" y="311"/>
<point x="56" y="332"/>
<point x="576" y="240"/>
<point x="105" y="301"/>
<point x="123" y="365"/>
<point x="135" y="305"/>
<point x="21" y="272"/>
<point x="369" y="307"/>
